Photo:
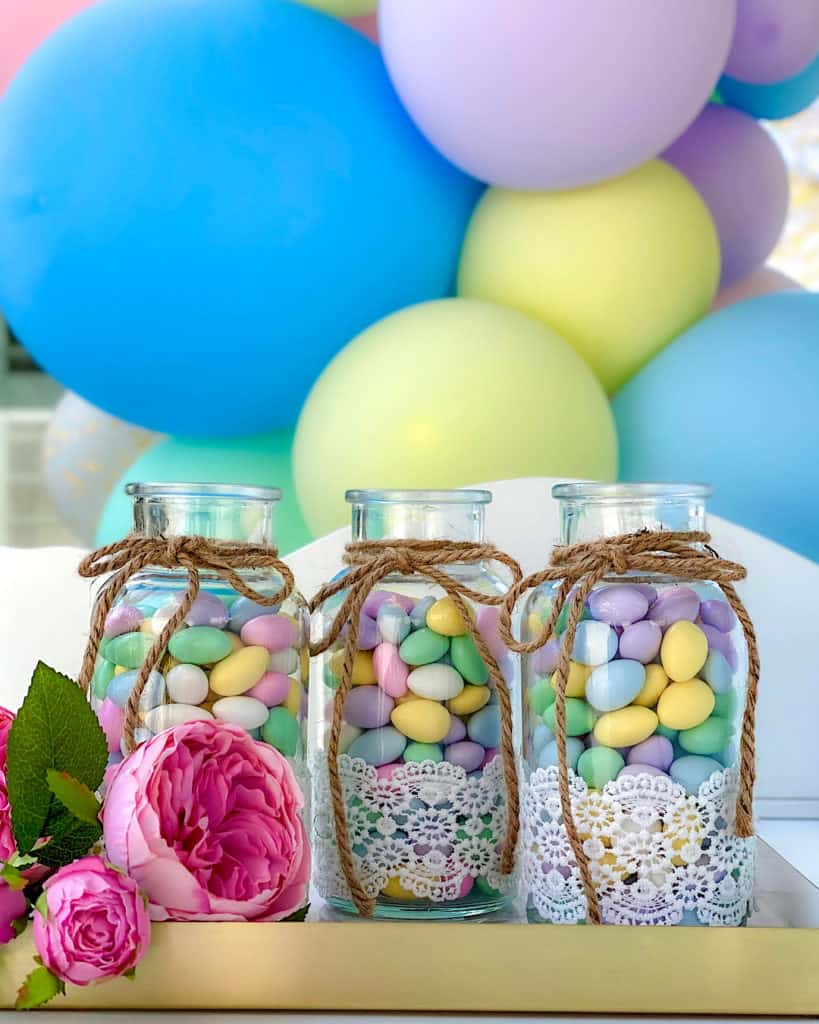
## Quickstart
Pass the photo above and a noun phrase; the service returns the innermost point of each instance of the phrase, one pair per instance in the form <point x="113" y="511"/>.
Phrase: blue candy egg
<point x="379" y="746"/>
<point x="692" y="770"/>
<point x="615" y="684"/>
<point x="484" y="726"/>
<point x="717" y="672"/>
<point x="548" y="756"/>
<point x="594" y="643"/>
<point x="120" y="687"/>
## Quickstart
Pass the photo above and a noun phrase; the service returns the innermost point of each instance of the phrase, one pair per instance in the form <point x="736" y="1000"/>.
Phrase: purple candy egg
<point x="657" y="751"/>
<point x="544" y="661"/>
<point x="457" y="731"/>
<point x="641" y="641"/>
<point x="618" y="605"/>
<point x="122" y="619"/>
<point x="648" y="592"/>
<point x="368" y="707"/>
<point x="675" y="605"/>
<point x="466" y="755"/>
<point x="640" y="769"/>
<point x="718" y="614"/>
<point x="719" y="641"/>
<point x="206" y="610"/>
<point x="368" y="635"/>
<point x="378" y="597"/>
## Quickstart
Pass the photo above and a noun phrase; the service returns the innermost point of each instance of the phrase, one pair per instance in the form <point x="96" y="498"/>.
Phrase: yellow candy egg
<point x="686" y="704"/>
<point x="625" y="727"/>
<point x="363" y="669"/>
<point x="405" y="698"/>
<point x="471" y="698"/>
<point x="293" y="700"/>
<point x="443" y="617"/>
<point x="425" y="721"/>
<point x="145" y="627"/>
<point x="534" y="624"/>
<point x="395" y="891"/>
<point x="656" y="681"/>
<point x="119" y="669"/>
<point x="578" y="677"/>
<point x="235" y="641"/>
<point x="304" y="664"/>
<point x="239" y="671"/>
<point x="683" y="651"/>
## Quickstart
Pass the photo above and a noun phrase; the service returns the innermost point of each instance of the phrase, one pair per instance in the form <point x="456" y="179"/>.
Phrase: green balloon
<point x="261" y="460"/>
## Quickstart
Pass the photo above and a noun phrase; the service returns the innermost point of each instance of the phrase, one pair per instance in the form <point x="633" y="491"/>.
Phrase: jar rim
<point x="592" y="490"/>
<point x="247" y="492"/>
<point x="454" y="496"/>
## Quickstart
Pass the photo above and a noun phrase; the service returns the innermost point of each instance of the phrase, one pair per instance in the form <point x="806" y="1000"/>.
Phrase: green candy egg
<point x="128" y="649"/>
<point x="423" y="752"/>
<point x="579" y="717"/>
<point x="599" y="765"/>
<point x="708" y="738"/>
<point x="103" y="674"/>
<point x="541" y="695"/>
<point x="199" y="645"/>
<point x="563" y="617"/>
<point x="483" y="886"/>
<point x="467" y="660"/>
<point x="663" y="730"/>
<point x="282" y="731"/>
<point x="423" y="647"/>
<point x="725" y="705"/>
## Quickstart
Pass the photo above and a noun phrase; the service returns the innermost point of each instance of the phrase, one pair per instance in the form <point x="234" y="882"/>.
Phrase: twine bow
<point x="126" y="557"/>
<point x="683" y="555"/>
<point x="370" y="562"/>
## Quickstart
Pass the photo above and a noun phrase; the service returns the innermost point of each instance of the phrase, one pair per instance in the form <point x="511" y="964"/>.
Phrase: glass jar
<point x="654" y="705"/>
<point x="422" y="776"/>
<point x="232" y="659"/>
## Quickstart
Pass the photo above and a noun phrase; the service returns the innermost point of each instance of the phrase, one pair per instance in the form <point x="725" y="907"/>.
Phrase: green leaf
<point x="69" y="846"/>
<point x="130" y="975"/>
<point x="38" y="988"/>
<point x="298" y="915"/>
<point x="42" y="906"/>
<point x="19" y="926"/>
<point x="55" y="728"/>
<point x="13" y="877"/>
<point x="75" y="796"/>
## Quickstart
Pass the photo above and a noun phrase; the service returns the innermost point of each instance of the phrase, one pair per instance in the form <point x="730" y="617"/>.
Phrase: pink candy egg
<point x="275" y="632"/>
<point x="390" y="671"/>
<point x="272" y="689"/>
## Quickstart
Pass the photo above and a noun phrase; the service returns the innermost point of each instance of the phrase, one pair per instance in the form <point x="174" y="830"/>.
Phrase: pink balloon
<point x="367" y="25"/>
<point x="763" y="281"/>
<point x="24" y="24"/>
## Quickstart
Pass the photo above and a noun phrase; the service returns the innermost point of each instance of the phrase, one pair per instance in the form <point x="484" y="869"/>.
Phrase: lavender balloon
<point x="546" y="94"/>
<point x="774" y="39"/>
<point x="738" y="170"/>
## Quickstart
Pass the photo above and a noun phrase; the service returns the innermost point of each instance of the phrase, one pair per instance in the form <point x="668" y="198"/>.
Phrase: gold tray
<point x="770" y="967"/>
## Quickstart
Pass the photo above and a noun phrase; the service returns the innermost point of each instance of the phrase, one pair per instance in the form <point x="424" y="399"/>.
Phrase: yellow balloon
<point x="343" y="8"/>
<point x="618" y="269"/>
<point x="444" y="394"/>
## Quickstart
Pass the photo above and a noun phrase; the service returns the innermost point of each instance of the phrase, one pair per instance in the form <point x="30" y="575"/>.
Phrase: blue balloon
<point x="732" y="402"/>
<point x="776" y="100"/>
<point x="202" y="202"/>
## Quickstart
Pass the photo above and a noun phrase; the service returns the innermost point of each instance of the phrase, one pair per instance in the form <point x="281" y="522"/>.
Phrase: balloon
<point x="85" y="451"/>
<point x="617" y="269"/>
<point x="263" y="460"/>
<point x="343" y="8"/>
<point x="544" y="94"/>
<point x="764" y="281"/>
<point x="776" y="101"/>
<point x="732" y="402"/>
<point x="26" y="23"/>
<point x="443" y="394"/>
<point x="774" y="39"/>
<point x="216" y="212"/>
<point x="367" y="26"/>
<point x="739" y="171"/>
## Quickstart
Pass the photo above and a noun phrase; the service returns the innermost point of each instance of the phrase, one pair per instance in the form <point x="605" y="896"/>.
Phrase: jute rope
<point x="369" y="563"/>
<point x="683" y="555"/>
<point x="194" y="554"/>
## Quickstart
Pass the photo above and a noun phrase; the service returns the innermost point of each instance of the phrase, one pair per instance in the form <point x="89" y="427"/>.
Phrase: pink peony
<point x="7" y="844"/>
<point x="12" y="908"/>
<point x="6" y="720"/>
<point x="207" y="821"/>
<point x="97" y="925"/>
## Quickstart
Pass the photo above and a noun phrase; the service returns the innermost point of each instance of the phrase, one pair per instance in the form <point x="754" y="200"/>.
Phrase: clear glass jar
<point x="423" y="778"/>
<point x="233" y="659"/>
<point x="654" y="705"/>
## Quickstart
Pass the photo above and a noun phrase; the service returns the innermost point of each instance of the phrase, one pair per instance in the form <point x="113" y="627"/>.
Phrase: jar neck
<point x="593" y="511"/>
<point x="434" y="515"/>
<point x="216" y="512"/>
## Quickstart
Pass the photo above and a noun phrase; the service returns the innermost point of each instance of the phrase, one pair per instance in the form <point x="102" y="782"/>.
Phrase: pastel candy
<point x="168" y="716"/>
<point x="656" y="751"/>
<point x="540" y="695"/>
<point x="443" y="617"/>
<point x="206" y="610"/>
<point x="619" y="604"/>
<point x="579" y="717"/>
<point x="641" y="641"/>
<point x="675" y="604"/>
<point x="368" y="707"/>
<point x="393" y="623"/>
<point x="467" y="755"/>
<point x="683" y="650"/>
<point x="692" y="770"/>
<point x="487" y="622"/>
<point x="294" y="698"/>
<point x="548" y="756"/>
<point x="348" y="735"/>
<point x="594" y="643"/>
<point x="686" y="704"/>
<point x="718" y="641"/>
<point x="363" y="669"/>
<point x="484" y="726"/>
<point x="646" y="590"/>
<point x="435" y="682"/>
<point x="425" y="721"/>
<point x="390" y="671"/>
<point x="246" y="712"/>
<point x="239" y="672"/>
<point x="725" y="704"/>
<point x="467" y="660"/>
<point x="379" y="746"/>
<point x="187" y="684"/>
<point x="368" y="636"/>
<point x="469" y="700"/>
<point x="457" y="731"/>
<point x="121" y="686"/>
<point x="122" y="619"/>
<point x="141" y="735"/>
<point x="200" y="645"/>
<point x="418" y="615"/>
<point x="423" y="647"/>
<point x="717" y="672"/>
<point x="640" y="769"/>
<point x="243" y="610"/>
<point x="272" y="689"/>
<point x="599" y="765"/>
<point x="718" y="614"/>
<point x="708" y="738"/>
<point x="615" y="684"/>
<point x="541" y="735"/>
<point x="625" y="727"/>
<point x="273" y="632"/>
<point x="111" y="718"/>
<point x="417" y="752"/>
<point x="670" y="734"/>
<point x="376" y="598"/>
<point x="592" y="741"/>
<point x="104" y="672"/>
<point x="285" y="661"/>
<point x="578" y="678"/>
<point x="544" y="661"/>
<point x="282" y="731"/>
<point x="128" y="649"/>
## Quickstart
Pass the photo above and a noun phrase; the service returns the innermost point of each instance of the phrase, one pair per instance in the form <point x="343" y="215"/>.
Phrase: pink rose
<point x="6" y="720"/>
<point x="12" y="908"/>
<point x="97" y="925"/>
<point x="208" y="822"/>
<point x="7" y="843"/>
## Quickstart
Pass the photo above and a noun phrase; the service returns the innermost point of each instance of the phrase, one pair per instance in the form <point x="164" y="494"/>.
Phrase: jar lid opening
<point x="419" y="497"/>
<point x="594" y="491"/>
<point x="243" y="492"/>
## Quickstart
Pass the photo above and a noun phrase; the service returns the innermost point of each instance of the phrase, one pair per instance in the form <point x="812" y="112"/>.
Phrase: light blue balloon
<point x="733" y="402"/>
<point x="202" y="202"/>
<point x="776" y="100"/>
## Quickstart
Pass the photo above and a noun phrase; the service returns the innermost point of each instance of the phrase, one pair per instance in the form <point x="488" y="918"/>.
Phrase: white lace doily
<point x="429" y="825"/>
<point x="655" y="852"/>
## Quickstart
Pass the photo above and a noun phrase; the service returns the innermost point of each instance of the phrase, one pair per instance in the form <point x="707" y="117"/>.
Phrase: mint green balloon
<point x="261" y="460"/>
